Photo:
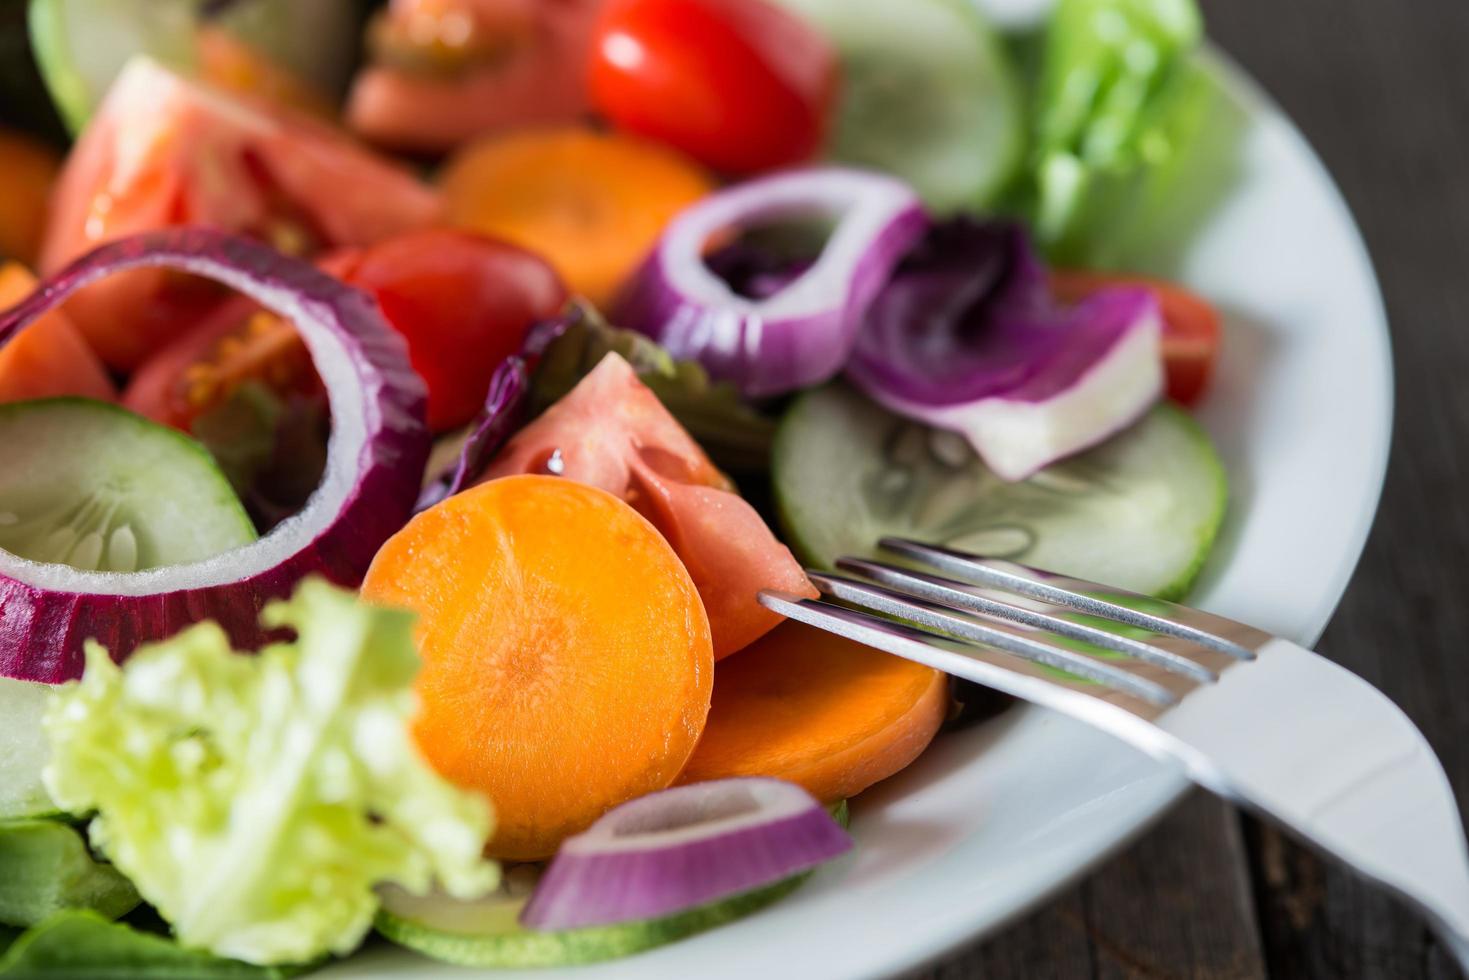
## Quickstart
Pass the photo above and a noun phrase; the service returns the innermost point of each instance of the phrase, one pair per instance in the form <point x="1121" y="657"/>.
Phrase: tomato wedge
<point x="29" y="169"/>
<point x="612" y="432"/>
<point x="741" y="85"/>
<point x="165" y="151"/>
<point x="1191" y="332"/>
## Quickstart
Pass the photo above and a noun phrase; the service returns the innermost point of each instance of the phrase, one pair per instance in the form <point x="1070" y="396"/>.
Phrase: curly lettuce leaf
<point x="45" y="867"/>
<point x="1122" y="106"/>
<point x="256" y="800"/>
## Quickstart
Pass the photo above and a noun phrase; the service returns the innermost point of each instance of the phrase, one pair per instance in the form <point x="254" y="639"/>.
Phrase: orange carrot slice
<point x="819" y="710"/>
<point x="592" y="204"/>
<point x="567" y="664"/>
<point x="49" y="358"/>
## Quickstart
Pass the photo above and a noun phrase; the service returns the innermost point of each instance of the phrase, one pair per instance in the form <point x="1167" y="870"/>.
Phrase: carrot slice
<point x="819" y="710"/>
<point x="30" y="169"/>
<point x="567" y="664"/>
<point x="592" y="204"/>
<point x="49" y="358"/>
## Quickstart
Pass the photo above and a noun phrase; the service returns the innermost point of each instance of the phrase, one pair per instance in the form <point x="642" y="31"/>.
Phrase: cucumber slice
<point x="487" y="933"/>
<point x="24" y="750"/>
<point x="81" y="45"/>
<point x="928" y="93"/>
<point x="1139" y="512"/>
<point x="96" y="487"/>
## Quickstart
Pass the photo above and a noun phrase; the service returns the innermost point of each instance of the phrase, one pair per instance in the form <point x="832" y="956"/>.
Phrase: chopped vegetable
<point x="682" y="849"/>
<point x="612" y="432"/>
<point x="800" y="333"/>
<point x="928" y="94"/>
<point x="1141" y="511"/>
<point x="259" y="46"/>
<point x="82" y="944"/>
<point x="463" y="302"/>
<point x="445" y="71"/>
<point x="164" y="151"/>
<point x="374" y="467"/>
<point x="1191" y="333"/>
<point x="96" y="488"/>
<point x="45" y="867"/>
<point x="24" y="751"/>
<point x="487" y="933"/>
<point x="567" y="661"/>
<point x="821" y="711"/>
<point x="740" y="85"/>
<point x="30" y="168"/>
<point x="1120" y="103"/>
<point x="49" y="359"/>
<point x="200" y="370"/>
<point x="255" y="801"/>
<point x="966" y="337"/>
<point x="591" y="203"/>
<point x="735" y="436"/>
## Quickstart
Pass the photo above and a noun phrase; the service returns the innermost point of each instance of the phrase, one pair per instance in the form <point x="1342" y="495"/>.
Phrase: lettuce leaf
<point x="1123" y="103"/>
<point x="45" y="867"/>
<point x="256" y="801"/>
<point x="77" y="943"/>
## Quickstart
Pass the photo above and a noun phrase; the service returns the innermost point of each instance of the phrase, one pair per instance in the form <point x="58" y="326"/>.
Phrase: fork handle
<point x="1322" y="752"/>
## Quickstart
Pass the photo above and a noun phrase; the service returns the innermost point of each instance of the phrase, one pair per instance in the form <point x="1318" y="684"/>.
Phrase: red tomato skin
<point x="1191" y="329"/>
<point x="463" y="302"/>
<point x="740" y="85"/>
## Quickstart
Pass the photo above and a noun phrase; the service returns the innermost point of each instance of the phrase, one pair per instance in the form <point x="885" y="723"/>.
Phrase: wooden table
<point x="1381" y="89"/>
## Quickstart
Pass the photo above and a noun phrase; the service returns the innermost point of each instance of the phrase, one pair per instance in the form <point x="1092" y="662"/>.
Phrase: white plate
<point x="994" y="820"/>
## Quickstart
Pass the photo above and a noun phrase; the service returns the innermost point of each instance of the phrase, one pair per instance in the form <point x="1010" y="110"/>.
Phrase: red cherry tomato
<point x="741" y="85"/>
<point x="1190" y="327"/>
<point x="463" y="302"/>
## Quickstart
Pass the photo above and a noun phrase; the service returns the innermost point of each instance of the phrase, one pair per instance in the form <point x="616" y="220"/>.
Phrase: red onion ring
<point x="379" y="446"/>
<point x="801" y="334"/>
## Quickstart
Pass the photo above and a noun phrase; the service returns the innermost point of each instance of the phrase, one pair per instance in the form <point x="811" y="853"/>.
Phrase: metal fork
<point x="1255" y="718"/>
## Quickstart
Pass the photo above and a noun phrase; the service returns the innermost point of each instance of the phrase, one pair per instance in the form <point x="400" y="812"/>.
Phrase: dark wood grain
<point x="1381" y="89"/>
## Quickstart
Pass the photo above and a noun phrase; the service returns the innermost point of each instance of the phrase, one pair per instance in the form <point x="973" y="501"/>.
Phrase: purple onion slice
<point x="375" y="460"/>
<point x="801" y="332"/>
<point x="683" y="848"/>
<point x="966" y="336"/>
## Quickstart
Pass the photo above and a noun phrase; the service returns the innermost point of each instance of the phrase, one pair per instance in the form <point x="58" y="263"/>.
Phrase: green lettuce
<point x="45" y="867"/>
<point x="256" y="800"/>
<point x="1122" y="106"/>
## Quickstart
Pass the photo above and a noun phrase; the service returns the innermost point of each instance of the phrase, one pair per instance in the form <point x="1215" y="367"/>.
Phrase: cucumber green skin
<point x="527" y="948"/>
<point x="519" y="948"/>
<point x="1211" y="479"/>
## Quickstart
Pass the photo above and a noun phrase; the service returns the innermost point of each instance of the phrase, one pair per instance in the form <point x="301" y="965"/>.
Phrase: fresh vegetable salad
<point x="405" y="406"/>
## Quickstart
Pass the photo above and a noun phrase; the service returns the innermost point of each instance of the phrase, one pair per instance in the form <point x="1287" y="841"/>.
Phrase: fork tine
<point x="1193" y="625"/>
<point x="958" y="595"/>
<point x="1001" y="636"/>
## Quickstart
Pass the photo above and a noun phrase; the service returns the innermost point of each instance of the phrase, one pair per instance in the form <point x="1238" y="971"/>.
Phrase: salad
<point x="405" y="405"/>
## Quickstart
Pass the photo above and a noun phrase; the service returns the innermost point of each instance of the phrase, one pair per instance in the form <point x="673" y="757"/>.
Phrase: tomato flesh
<point x="1191" y="331"/>
<point x="165" y="151"/>
<point x="741" y="85"/>
<point x="463" y="302"/>
<point x="612" y="432"/>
